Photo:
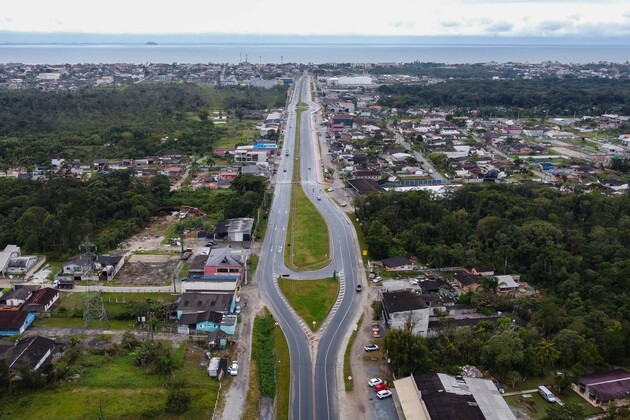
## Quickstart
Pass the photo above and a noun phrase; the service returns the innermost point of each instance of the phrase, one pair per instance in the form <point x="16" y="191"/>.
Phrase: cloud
<point x="450" y="24"/>
<point x="403" y="24"/>
<point x="499" y="27"/>
<point x="555" y="26"/>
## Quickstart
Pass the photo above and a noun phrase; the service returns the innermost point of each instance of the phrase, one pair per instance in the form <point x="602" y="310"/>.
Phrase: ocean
<point x="308" y="53"/>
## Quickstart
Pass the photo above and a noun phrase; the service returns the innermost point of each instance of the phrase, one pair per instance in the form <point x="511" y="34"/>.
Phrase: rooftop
<point x="402" y="301"/>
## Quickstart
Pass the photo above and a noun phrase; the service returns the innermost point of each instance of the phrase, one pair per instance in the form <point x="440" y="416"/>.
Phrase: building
<point x="30" y="352"/>
<point x="398" y="264"/>
<point x="206" y="312"/>
<point x="235" y="230"/>
<point x="406" y="309"/>
<point x="605" y="387"/>
<point x="437" y="396"/>
<point x="9" y="252"/>
<point x="15" y="322"/>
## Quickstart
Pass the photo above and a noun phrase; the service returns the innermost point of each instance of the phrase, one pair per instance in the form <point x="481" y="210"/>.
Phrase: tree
<point x="408" y="352"/>
<point x="503" y="352"/>
<point x="512" y="378"/>
<point x="567" y="411"/>
<point x="160" y="187"/>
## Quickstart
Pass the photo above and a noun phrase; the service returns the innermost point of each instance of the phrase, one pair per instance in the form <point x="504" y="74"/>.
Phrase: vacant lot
<point x="120" y="388"/>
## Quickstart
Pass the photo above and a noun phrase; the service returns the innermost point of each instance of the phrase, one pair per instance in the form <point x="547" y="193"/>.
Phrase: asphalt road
<point x="314" y="357"/>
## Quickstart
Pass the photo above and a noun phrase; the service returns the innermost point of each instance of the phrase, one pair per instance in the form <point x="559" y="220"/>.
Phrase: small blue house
<point x="15" y="322"/>
<point x="206" y="312"/>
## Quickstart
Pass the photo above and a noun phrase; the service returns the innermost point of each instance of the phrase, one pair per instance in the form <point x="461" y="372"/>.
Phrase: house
<point x="403" y="309"/>
<point x="440" y="397"/>
<point x="15" y="322"/>
<point x="398" y="264"/>
<point x="600" y="389"/>
<point x="236" y="230"/>
<point x="466" y="281"/>
<point x="507" y="283"/>
<point x="222" y="261"/>
<point x="20" y="266"/>
<point x="42" y="300"/>
<point x="78" y="266"/>
<point x="86" y="267"/>
<point x="15" y="298"/>
<point x="107" y="266"/>
<point x="206" y="312"/>
<point x="30" y="352"/>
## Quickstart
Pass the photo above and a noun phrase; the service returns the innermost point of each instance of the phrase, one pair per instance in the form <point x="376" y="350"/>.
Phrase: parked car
<point x="384" y="394"/>
<point x="237" y="310"/>
<point x="359" y="287"/>
<point x="233" y="369"/>
<point x="331" y="189"/>
<point x="377" y="279"/>
<point x="370" y="347"/>
<point x="344" y="204"/>
<point x="211" y="243"/>
<point x="375" y="381"/>
<point x="380" y="387"/>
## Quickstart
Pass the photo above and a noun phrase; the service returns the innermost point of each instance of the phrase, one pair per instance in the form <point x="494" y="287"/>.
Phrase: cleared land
<point x="121" y="388"/>
<point x="311" y="299"/>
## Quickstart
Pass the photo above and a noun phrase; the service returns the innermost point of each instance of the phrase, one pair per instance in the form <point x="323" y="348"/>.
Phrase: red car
<point x="380" y="387"/>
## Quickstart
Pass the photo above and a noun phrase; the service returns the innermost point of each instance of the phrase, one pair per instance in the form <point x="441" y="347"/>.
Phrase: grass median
<point x="308" y="243"/>
<point x="270" y="370"/>
<point x="311" y="299"/>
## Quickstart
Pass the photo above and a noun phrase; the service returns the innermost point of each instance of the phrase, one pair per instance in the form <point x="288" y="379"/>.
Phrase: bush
<point x="178" y="401"/>
<point x="377" y="307"/>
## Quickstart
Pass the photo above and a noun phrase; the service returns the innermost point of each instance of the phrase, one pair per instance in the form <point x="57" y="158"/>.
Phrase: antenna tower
<point x="94" y="309"/>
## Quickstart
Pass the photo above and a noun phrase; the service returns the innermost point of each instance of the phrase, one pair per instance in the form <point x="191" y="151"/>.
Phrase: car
<point x="380" y="387"/>
<point x="237" y="310"/>
<point x="414" y="282"/>
<point x="377" y="279"/>
<point x="384" y="394"/>
<point x="331" y="189"/>
<point x="375" y="381"/>
<point x="370" y="347"/>
<point x="309" y="168"/>
<point x="233" y="369"/>
<point x="359" y="287"/>
<point x="344" y="204"/>
<point x="210" y="243"/>
<point x="284" y="170"/>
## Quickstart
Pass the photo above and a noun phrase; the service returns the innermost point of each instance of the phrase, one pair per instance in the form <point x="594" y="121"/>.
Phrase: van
<point x="546" y="394"/>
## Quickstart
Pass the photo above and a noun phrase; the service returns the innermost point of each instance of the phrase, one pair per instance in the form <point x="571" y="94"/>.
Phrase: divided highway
<point x="314" y="356"/>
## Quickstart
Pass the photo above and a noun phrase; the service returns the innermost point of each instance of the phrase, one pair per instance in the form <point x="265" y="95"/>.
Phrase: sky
<point x="496" y="18"/>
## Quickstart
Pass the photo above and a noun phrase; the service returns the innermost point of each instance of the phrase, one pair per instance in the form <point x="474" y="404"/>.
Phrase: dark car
<point x="359" y="287"/>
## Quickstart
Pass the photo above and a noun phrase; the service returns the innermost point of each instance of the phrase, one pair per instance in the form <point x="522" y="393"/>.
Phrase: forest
<point x="124" y="122"/>
<point x="53" y="217"/>
<point x="529" y="98"/>
<point x="574" y="247"/>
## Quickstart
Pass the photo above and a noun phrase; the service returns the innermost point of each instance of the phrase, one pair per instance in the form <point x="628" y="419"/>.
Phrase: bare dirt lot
<point x="147" y="273"/>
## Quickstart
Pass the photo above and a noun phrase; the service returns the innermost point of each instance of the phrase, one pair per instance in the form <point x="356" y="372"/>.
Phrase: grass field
<point x="117" y="306"/>
<point x="122" y="389"/>
<point x="540" y="404"/>
<point x="311" y="299"/>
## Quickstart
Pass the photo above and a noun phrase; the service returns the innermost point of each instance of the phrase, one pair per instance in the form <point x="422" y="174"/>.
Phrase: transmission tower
<point x="94" y="309"/>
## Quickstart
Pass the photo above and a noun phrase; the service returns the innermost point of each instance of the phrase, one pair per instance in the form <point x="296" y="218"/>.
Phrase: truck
<point x="63" y="284"/>
<point x="213" y="367"/>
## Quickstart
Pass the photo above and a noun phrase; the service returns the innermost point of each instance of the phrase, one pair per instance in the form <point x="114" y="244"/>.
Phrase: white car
<point x="370" y="347"/>
<point x="384" y="394"/>
<point x="233" y="369"/>
<point x="377" y="279"/>
<point x="331" y="189"/>
<point x="344" y="204"/>
<point x="375" y="381"/>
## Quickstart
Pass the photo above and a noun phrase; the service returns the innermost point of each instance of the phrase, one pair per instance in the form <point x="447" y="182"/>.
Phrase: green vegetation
<point x="308" y="244"/>
<point x="121" y="123"/>
<point x="347" y="366"/>
<point x="121" y="308"/>
<point x="252" y="408"/>
<point x="54" y="216"/>
<point x="283" y="375"/>
<point x="532" y="98"/>
<point x="115" y="379"/>
<point x="311" y="299"/>
<point x="573" y="246"/>
<point x="263" y="353"/>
